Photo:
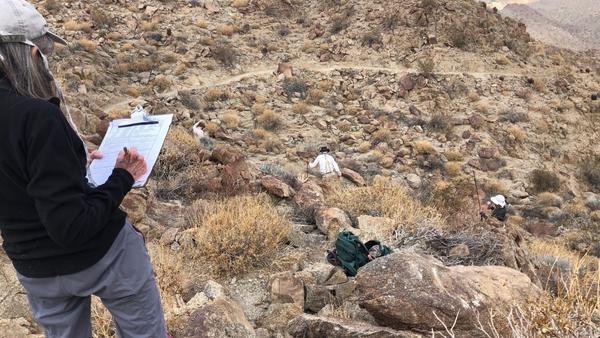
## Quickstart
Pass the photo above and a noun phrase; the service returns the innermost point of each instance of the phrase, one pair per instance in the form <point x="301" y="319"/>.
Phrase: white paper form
<point x="131" y="133"/>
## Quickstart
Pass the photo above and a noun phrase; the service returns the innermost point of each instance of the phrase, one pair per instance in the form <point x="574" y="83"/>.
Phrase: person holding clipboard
<point x="66" y="239"/>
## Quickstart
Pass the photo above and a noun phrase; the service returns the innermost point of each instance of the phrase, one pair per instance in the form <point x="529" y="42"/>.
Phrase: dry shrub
<point x="216" y="94"/>
<point x="269" y="120"/>
<point x="261" y="134"/>
<point x="211" y="128"/>
<point x="314" y="96"/>
<point x="226" y="30"/>
<point x="517" y="134"/>
<point x="524" y="93"/>
<point x="590" y="170"/>
<point x="539" y="84"/>
<point x="454" y="155"/>
<point x="452" y="168"/>
<point x="426" y="66"/>
<point x="201" y="23"/>
<point x="502" y="60"/>
<point x="482" y="107"/>
<point x="548" y="199"/>
<point x="382" y="135"/>
<point x="231" y="120"/>
<point x="224" y="53"/>
<point x="384" y="198"/>
<point x="439" y="122"/>
<point x="301" y="108"/>
<point x="424" y="147"/>
<point x="177" y="153"/>
<point x="272" y="144"/>
<point x="449" y="197"/>
<point x="494" y="187"/>
<point x="51" y="5"/>
<point x="87" y="44"/>
<point x="473" y="96"/>
<point x="102" y="322"/>
<point x="363" y="147"/>
<point x="543" y="180"/>
<point x="162" y="83"/>
<point x="101" y="18"/>
<point x="240" y="234"/>
<point x="574" y="294"/>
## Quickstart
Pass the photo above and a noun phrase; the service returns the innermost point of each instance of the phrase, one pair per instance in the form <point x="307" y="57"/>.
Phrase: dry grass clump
<point x="226" y="30"/>
<point x="426" y="66"/>
<point x="177" y="154"/>
<point x="590" y="170"/>
<point x="382" y="135"/>
<point x="87" y="44"/>
<point x="454" y="155"/>
<point x="231" y="120"/>
<point x="240" y="3"/>
<point x="544" y="181"/>
<point x="424" y="147"/>
<point x="453" y="169"/>
<point x="384" y="198"/>
<point x="301" y="108"/>
<point x="72" y="25"/>
<point x="162" y="83"/>
<point x="239" y="234"/>
<point x="224" y="53"/>
<point x="574" y="297"/>
<point x="101" y="18"/>
<point x="269" y="120"/>
<point x="516" y="134"/>
<point x="216" y="94"/>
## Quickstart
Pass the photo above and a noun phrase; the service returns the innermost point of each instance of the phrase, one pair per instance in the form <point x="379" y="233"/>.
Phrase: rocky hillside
<point x="414" y="97"/>
<point x="571" y="24"/>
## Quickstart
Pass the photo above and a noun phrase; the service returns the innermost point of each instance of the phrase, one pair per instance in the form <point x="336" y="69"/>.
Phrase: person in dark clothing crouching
<point x="497" y="204"/>
<point x="66" y="239"/>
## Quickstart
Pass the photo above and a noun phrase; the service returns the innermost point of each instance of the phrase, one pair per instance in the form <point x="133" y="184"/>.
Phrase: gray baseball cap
<point x="21" y="22"/>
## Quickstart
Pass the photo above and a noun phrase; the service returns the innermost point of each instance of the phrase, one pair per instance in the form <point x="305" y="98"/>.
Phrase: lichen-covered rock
<point x="309" y="326"/>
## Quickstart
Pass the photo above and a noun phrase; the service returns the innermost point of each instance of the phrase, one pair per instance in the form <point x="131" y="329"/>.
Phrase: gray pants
<point x="123" y="279"/>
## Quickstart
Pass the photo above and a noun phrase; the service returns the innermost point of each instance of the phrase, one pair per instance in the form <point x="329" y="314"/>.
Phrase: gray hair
<point x="28" y="76"/>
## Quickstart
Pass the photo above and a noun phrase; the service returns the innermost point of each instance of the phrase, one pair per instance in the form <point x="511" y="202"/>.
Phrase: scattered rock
<point x="476" y="121"/>
<point x="331" y="220"/>
<point x="354" y="177"/>
<point x="285" y="288"/>
<point x="277" y="187"/>
<point x="277" y="317"/>
<point x="414" y="181"/>
<point x="309" y="326"/>
<point x="407" y="82"/>
<point x="488" y="152"/>
<point x="168" y="237"/>
<point x="411" y="287"/>
<point x="592" y="200"/>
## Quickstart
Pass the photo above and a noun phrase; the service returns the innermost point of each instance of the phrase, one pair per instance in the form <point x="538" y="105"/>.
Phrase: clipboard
<point x="142" y="131"/>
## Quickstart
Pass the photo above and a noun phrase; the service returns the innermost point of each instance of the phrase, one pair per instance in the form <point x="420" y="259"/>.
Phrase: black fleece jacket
<point x="52" y="222"/>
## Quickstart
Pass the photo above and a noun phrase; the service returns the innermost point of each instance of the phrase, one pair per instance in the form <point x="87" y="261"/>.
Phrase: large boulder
<point x="417" y="292"/>
<point x="212" y="313"/>
<point x="285" y="288"/>
<point x="331" y="220"/>
<point x="353" y="177"/>
<point x="276" y="187"/>
<point x="309" y="326"/>
<point x="309" y="199"/>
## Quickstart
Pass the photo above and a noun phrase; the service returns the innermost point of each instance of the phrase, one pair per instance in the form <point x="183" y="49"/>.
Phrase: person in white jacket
<point x="326" y="163"/>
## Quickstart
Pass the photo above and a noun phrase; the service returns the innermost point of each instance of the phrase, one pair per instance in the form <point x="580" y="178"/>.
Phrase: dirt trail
<point x="330" y="67"/>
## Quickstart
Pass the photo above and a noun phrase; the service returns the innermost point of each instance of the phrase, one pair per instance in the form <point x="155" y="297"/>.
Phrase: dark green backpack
<point x="351" y="254"/>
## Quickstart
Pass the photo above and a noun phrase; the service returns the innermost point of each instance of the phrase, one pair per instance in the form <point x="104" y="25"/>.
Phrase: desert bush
<point x="524" y="93"/>
<point x="459" y="37"/>
<point x="87" y="45"/>
<point x="449" y="197"/>
<point x="241" y="233"/>
<point x="293" y="86"/>
<point x="424" y="147"/>
<point x="101" y="18"/>
<point x="439" y="122"/>
<point x="231" y="120"/>
<point x="381" y="135"/>
<point x="188" y="100"/>
<point x="51" y="5"/>
<point x="544" y="181"/>
<point x="224" y="53"/>
<point x="272" y="144"/>
<point x="517" y="134"/>
<point x="269" y="120"/>
<point x="216" y="94"/>
<point x="391" y="21"/>
<point x="426" y="66"/>
<point x="372" y="38"/>
<point x="452" y="169"/>
<point x="513" y="116"/>
<point x="314" y="96"/>
<point x="339" y="23"/>
<point x="384" y="198"/>
<point x="590" y="170"/>
<point x="226" y="30"/>
<point x="454" y="155"/>
<point x="286" y="176"/>
<point x="177" y="154"/>
<point x="301" y="108"/>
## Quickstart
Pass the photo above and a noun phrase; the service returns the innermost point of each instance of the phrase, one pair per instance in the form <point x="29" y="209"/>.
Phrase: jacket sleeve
<point x="315" y="162"/>
<point x="71" y="212"/>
